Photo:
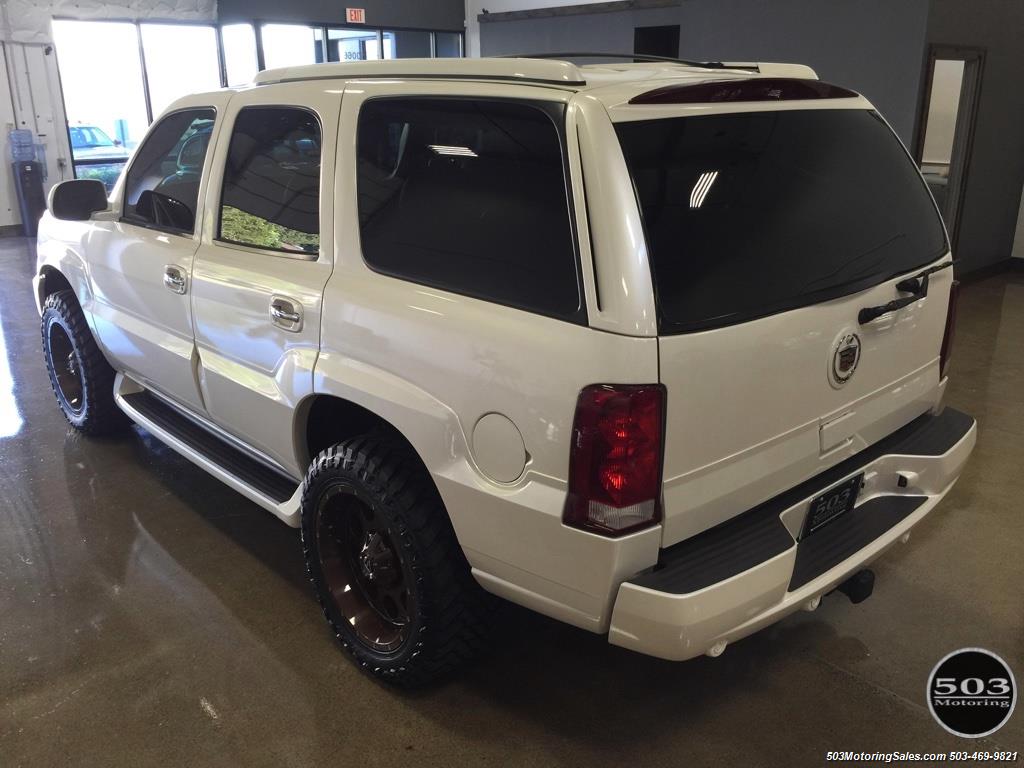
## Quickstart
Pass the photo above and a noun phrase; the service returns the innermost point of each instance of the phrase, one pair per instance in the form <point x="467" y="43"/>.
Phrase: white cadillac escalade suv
<point x="657" y="349"/>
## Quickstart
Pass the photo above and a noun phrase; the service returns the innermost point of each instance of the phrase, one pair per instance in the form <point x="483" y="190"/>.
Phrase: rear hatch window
<point x="750" y="214"/>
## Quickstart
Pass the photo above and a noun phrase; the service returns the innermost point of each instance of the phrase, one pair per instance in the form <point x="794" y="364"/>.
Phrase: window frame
<point x="215" y="235"/>
<point x="556" y="112"/>
<point x="125" y="218"/>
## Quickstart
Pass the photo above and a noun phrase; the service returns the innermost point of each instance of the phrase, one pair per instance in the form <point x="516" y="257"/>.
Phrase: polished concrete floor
<point x="151" y="616"/>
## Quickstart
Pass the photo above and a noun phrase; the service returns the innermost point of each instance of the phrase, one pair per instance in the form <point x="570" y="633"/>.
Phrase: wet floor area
<point x="151" y="616"/>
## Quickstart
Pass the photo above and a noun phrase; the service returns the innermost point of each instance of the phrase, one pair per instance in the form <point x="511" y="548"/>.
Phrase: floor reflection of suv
<point x="655" y="349"/>
<point x="90" y="143"/>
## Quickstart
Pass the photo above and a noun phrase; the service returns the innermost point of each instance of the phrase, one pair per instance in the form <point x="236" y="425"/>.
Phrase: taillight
<point x="615" y="459"/>
<point x="947" y="337"/>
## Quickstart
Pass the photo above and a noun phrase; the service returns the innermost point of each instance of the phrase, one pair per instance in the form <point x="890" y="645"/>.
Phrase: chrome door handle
<point x="280" y="314"/>
<point x="174" y="278"/>
<point x="286" y="314"/>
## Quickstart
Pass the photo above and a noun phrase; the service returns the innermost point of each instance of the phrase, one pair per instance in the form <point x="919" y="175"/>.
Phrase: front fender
<point x="60" y="253"/>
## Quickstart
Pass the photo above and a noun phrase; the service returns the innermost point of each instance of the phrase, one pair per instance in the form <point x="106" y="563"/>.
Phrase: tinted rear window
<point x="751" y="214"/>
<point x="469" y="196"/>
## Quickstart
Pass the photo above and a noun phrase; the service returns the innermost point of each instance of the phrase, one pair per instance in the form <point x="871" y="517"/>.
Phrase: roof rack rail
<point x="556" y="73"/>
<point x="632" y="56"/>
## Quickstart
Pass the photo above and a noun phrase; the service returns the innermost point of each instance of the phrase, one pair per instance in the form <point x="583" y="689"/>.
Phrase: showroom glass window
<point x="239" y="46"/>
<point x="102" y="83"/>
<point x="469" y="196"/>
<point x="162" y="187"/>
<point x="352" y="44"/>
<point x="170" y="74"/>
<point x="407" y="44"/>
<point x="291" y="45"/>
<point x="447" y="45"/>
<point x="271" y="193"/>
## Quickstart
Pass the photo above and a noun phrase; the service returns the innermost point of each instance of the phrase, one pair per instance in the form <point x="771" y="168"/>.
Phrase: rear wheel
<point x="81" y="378"/>
<point x="385" y="564"/>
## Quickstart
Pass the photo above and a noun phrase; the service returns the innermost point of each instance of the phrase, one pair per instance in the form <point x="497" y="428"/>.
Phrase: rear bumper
<point x="751" y="571"/>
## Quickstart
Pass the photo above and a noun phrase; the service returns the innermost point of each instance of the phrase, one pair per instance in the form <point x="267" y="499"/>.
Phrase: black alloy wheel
<point x="385" y="565"/>
<point x="81" y="377"/>
<point x="362" y="569"/>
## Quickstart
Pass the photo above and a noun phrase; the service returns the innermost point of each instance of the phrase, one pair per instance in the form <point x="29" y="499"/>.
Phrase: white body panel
<point x="146" y="329"/>
<point x="785" y="422"/>
<point x="750" y="411"/>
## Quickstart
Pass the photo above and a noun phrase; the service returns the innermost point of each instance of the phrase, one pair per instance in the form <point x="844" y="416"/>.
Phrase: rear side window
<point x="468" y="196"/>
<point x="271" y="194"/>
<point x="162" y="186"/>
<point x="750" y="214"/>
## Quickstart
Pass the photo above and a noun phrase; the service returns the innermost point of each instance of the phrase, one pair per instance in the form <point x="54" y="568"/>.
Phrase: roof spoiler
<point x="743" y="90"/>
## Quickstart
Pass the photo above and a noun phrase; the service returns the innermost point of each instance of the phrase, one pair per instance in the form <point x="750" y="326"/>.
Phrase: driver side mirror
<point x="78" y="199"/>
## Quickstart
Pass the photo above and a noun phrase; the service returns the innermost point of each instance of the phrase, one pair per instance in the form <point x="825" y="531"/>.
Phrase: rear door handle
<point x="286" y="313"/>
<point x="175" y="279"/>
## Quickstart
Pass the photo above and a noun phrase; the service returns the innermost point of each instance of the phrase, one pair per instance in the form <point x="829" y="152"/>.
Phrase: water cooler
<point x="29" y="174"/>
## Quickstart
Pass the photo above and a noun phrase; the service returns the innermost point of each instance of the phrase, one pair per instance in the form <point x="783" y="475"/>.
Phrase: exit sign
<point x="355" y="15"/>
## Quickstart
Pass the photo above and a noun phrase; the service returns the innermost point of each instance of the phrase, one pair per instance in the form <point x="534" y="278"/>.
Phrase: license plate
<point x="832" y="504"/>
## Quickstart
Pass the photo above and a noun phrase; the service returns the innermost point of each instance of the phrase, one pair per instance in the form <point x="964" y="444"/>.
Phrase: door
<point x="774" y="257"/>
<point x="946" y="127"/>
<point x="260" y="271"/>
<point x="140" y="257"/>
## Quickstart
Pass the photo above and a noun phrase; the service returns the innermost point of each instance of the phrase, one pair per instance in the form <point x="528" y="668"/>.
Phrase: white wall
<point x="474" y="8"/>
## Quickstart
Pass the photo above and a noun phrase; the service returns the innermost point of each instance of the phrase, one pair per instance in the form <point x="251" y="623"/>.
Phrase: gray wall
<point x="427" y="14"/>
<point x="876" y="47"/>
<point x="996" y="166"/>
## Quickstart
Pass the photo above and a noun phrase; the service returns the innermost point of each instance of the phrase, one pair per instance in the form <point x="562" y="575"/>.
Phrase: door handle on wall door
<point x="174" y="278"/>
<point x="286" y="313"/>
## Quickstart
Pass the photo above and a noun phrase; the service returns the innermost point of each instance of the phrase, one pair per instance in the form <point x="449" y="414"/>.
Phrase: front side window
<point x="468" y="196"/>
<point x="162" y="186"/>
<point x="271" y="194"/>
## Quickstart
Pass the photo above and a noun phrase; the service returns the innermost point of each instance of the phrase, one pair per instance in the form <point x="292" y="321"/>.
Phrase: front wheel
<point x="81" y="378"/>
<point x="385" y="564"/>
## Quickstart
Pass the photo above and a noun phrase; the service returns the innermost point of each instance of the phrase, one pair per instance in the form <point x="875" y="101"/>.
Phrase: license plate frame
<point x="829" y="506"/>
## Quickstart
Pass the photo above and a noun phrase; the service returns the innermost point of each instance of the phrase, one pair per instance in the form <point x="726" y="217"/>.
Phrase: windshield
<point x="749" y="214"/>
<point x="89" y="137"/>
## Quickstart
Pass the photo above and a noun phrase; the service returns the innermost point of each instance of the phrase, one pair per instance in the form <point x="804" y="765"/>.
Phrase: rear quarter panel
<point x="433" y="363"/>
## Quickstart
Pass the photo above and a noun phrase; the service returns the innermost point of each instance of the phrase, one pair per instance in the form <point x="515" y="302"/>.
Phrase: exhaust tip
<point x="859" y="586"/>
